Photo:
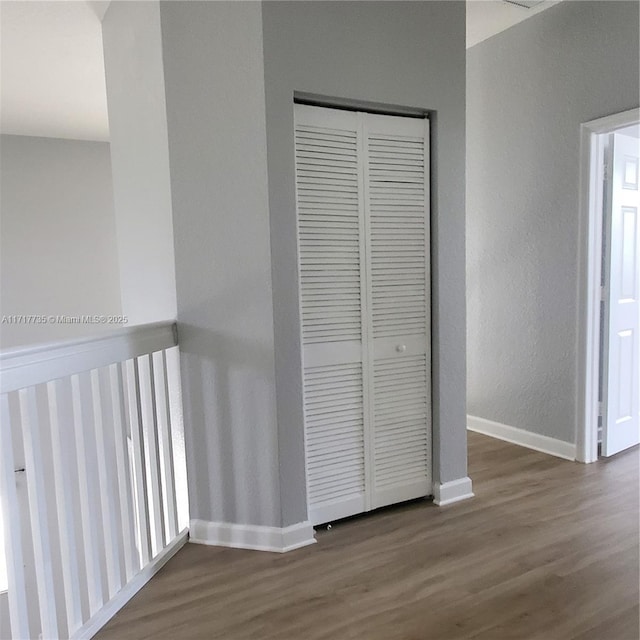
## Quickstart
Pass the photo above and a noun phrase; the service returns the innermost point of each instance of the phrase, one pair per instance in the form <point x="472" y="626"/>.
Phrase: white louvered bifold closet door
<point x="331" y="246"/>
<point x="396" y="195"/>
<point x="362" y="202"/>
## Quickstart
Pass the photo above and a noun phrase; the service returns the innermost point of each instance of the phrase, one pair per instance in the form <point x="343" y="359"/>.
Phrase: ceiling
<point x="52" y="70"/>
<point x="52" y="66"/>
<point x="485" y="18"/>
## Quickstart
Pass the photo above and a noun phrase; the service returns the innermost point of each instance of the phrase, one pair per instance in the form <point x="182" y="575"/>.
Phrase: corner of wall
<point x="239" y="536"/>
<point x="446" y="493"/>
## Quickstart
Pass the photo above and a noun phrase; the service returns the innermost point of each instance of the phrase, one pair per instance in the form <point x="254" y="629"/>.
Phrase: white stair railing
<point x="92" y="477"/>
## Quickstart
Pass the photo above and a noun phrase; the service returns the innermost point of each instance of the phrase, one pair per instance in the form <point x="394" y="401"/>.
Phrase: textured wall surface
<point x="233" y="186"/>
<point x="58" y="240"/>
<point x="528" y="90"/>
<point x="403" y="53"/>
<point x="215" y="108"/>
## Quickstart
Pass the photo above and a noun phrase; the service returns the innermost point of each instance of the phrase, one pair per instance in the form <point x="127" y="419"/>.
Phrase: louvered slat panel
<point x="334" y="417"/>
<point x="397" y="194"/>
<point x="328" y="233"/>
<point x="363" y="264"/>
<point x="396" y="169"/>
<point x="401" y="414"/>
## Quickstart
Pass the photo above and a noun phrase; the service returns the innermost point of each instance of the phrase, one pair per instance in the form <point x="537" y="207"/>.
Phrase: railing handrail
<point x="22" y="367"/>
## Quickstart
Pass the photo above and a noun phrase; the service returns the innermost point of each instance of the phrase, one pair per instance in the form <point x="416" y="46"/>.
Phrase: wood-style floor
<point x="547" y="550"/>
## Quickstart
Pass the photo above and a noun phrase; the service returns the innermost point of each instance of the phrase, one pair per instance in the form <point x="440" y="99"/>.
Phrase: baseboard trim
<point x="535" y="441"/>
<point x="445" y="493"/>
<point x="100" y="619"/>
<point x="247" y="536"/>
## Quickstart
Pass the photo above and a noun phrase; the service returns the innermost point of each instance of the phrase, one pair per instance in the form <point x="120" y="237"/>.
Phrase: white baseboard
<point x="449" y="492"/>
<point x="544" y="444"/>
<point x="247" y="536"/>
<point x="98" y="620"/>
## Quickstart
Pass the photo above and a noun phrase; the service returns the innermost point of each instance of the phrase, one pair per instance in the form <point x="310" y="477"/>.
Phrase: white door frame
<point x="590" y="272"/>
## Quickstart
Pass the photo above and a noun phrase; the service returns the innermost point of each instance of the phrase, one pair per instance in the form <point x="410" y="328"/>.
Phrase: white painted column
<point x="140" y="160"/>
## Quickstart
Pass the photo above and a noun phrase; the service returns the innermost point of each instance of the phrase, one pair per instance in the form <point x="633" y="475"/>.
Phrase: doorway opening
<point x="609" y="375"/>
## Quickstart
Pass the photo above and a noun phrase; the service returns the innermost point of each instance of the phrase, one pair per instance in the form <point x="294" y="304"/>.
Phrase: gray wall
<point x="215" y="109"/>
<point x="5" y="622"/>
<point x="58" y="252"/>
<point x="528" y="90"/>
<point x="232" y="173"/>
<point x="140" y="160"/>
<point x="403" y="53"/>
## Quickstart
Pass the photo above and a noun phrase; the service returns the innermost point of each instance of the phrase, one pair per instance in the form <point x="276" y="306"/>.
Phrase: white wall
<point x="58" y="239"/>
<point x="528" y="90"/>
<point x="140" y="160"/>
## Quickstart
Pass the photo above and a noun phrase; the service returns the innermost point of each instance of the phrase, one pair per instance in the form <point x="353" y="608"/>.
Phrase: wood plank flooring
<point x="547" y="550"/>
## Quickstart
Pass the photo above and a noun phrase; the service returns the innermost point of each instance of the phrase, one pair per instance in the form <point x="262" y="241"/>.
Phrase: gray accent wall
<point x="214" y="81"/>
<point x="409" y="54"/>
<point x="528" y="90"/>
<point x="231" y="70"/>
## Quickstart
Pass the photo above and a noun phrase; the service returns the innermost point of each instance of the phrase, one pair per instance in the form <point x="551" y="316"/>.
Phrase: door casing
<point x="592" y="149"/>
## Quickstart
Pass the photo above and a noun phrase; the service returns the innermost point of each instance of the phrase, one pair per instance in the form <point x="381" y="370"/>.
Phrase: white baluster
<point x="85" y="459"/>
<point x="38" y="513"/>
<point x="166" y="443"/>
<point x="149" y="424"/>
<point x="174" y="390"/>
<point x="103" y="423"/>
<point x="125" y="487"/>
<point x="139" y="475"/>
<point x="12" y="531"/>
<point x="61" y="422"/>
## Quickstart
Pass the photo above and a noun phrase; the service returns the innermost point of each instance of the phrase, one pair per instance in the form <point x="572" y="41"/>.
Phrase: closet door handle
<point x="401" y="348"/>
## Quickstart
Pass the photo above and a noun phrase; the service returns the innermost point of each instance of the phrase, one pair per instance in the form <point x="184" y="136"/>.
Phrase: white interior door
<point x="363" y="234"/>
<point x="621" y="353"/>
<point x="331" y="263"/>
<point x="396" y="199"/>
